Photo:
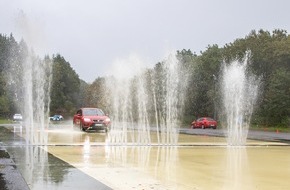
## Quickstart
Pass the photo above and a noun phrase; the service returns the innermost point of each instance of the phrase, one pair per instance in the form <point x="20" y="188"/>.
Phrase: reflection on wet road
<point x="77" y="160"/>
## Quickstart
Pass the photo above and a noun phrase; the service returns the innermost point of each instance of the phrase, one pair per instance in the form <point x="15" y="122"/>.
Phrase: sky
<point x="103" y="37"/>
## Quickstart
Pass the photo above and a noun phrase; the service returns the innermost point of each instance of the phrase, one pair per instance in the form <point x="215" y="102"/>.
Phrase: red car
<point x="204" y="122"/>
<point x="91" y="119"/>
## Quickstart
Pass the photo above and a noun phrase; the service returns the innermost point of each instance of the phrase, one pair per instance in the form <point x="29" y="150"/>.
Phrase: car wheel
<point x="81" y="127"/>
<point x="202" y="126"/>
<point x="214" y="127"/>
<point x="108" y="129"/>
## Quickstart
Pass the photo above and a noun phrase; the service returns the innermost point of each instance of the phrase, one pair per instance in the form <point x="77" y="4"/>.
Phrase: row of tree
<point x="58" y="83"/>
<point x="270" y="60"/>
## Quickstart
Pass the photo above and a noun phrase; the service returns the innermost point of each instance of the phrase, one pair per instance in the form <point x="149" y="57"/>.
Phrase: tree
<point x="65" y="87"/>
<point x="277" y="99"/>
<point x="96" y="94"/>
<point x="204" y="82"/>
<point x="270" y="54"/>
<point x="11" y="58"/>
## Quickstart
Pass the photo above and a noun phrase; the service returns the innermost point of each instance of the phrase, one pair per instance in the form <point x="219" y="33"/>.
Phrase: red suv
<point x="91" y="119"/>
<point x="204" y="122"/>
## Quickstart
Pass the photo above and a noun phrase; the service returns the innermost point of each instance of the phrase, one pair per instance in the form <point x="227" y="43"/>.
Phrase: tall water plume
<point x="149" y="100"/>
<point x="29" y="82"/>
<point x="30" y="79"/>
<point x="37" y="77"/>
<point x="169" y="91"/>
<point x="240" y="91"/>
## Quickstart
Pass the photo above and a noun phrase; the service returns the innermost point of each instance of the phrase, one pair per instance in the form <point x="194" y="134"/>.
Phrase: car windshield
<point x="91" y="112"/>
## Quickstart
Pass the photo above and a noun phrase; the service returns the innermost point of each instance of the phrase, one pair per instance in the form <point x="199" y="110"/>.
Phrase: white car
<point x="17" y="117"/>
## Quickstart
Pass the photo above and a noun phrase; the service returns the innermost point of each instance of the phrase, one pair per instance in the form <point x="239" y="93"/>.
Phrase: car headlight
<point x="87" y="119"/>
<point x="107" y="120"/>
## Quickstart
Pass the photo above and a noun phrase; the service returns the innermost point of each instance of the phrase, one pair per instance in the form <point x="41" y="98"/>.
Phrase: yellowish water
<point x="198" y="162"/>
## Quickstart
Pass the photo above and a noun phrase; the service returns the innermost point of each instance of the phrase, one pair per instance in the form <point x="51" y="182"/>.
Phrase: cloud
<point x="92" y="35"/>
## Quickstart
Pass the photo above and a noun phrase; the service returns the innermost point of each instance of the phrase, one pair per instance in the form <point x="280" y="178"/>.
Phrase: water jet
<point x="239" y="94"/>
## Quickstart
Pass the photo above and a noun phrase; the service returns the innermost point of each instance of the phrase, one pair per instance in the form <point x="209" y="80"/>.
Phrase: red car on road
<point x="91" y="119"/>
<point x="204" y="122"/>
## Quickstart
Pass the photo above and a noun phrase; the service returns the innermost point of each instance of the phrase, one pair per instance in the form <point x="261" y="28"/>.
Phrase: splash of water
<point x="31" y="87"/>
<point x="151" y="100"/>
<point x="30" y="80"/>
<point x="169" y="92"/>
<point x="37" y="76"/>
<point x="240" y="93"/>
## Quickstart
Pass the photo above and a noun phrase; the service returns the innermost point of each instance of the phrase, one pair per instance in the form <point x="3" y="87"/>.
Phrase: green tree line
<point x="269" y="60"/>
<point x="64" y="81"/>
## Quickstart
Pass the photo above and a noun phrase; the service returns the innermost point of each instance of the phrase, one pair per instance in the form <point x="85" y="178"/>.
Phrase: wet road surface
<point x="40" y="169"/>
<point x="252" y="134"/>
<point x="77" y="160"/>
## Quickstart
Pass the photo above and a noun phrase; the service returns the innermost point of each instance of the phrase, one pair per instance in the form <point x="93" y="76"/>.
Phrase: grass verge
<point x="271" y="129"/>
<point x="5" y="121"/>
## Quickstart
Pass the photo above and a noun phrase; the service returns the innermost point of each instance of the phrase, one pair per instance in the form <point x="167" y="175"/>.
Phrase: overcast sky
<point x="94" y="35"/>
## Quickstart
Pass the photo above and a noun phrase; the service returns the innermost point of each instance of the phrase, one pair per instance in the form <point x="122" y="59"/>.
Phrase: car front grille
<point x="98" y="121"/>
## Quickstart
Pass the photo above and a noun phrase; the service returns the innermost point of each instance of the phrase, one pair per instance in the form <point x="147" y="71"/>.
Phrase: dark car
<point x="204" y="122"/>
<point x="56" y="118"/>
<point x="91" y="119"/>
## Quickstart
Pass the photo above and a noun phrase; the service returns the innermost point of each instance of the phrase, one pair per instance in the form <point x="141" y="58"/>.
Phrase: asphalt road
<point x="252" y="134"/>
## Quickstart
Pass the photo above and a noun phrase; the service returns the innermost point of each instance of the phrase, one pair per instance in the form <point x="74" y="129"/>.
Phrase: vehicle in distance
<point x="56" y="118"/>
<point x="204" y="122"/>
<point x="91" y="119"/>
<point x="17" y="117"/>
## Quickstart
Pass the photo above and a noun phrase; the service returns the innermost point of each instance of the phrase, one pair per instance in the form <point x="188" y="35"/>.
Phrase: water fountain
<point x="148" y="100"/>
<point x="37" y="97"/>
<point x="141" y="104"/>
<point x="31" y="87"/>
<point x="30" y="79"/>
<point x="30" y="84"/>
<point x="240" y="91"/>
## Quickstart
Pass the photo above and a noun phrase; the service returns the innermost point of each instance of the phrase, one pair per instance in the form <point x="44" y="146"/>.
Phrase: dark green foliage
<point x="277" y="102"/>
<point x="269" y="59"/>
<point x="206" y="74"/>
<point x="11" y="56"/>
<point x="95" y="95"/>
<point x="65" y="87"/>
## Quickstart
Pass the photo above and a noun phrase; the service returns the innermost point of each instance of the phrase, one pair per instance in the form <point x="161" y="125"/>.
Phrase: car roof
<point x="205" y="118"/>
<point x="90" y="108"/>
